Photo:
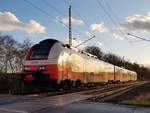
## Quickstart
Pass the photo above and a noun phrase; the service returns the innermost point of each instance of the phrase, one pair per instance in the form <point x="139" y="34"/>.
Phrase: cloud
<point x="132" y="24"/>
<point x="99" y="44"/>
<point x="112" y="32"/>
<point x="136" y="23"/>
<point x="103" y="29"/>
<point x="99" y="27"/>
<point x="9" y="22"/>
<point x="76" y="22"/>
<point x="117" y="36"/>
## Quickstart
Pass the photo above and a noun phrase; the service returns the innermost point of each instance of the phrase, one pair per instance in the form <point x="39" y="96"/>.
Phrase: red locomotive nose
<point x="29" y="77"/>
<point x="31" y="68"/>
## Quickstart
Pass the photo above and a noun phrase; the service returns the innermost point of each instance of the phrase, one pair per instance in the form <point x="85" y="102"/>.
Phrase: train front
<point x="40" y="64"/>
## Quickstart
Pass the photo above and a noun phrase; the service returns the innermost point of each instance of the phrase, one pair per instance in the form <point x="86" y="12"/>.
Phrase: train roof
<point x="49" y="41"/>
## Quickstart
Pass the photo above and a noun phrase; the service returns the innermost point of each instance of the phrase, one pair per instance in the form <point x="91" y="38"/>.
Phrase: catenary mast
<point x="70" y="30"/>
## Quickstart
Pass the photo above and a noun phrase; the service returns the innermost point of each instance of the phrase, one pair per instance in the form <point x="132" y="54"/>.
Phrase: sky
<point x="108" y="20"/>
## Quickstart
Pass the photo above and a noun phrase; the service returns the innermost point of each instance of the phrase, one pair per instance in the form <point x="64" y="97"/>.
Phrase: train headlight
<point x="42" y="68"/>
<point x="26" y="68"/>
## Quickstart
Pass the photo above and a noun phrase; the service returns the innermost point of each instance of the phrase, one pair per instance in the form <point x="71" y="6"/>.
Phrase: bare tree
<point x="12" y="54"/>
<point x="21" y="53"/>
<point x="8" y="46"/>
<point x="95" y="51"/>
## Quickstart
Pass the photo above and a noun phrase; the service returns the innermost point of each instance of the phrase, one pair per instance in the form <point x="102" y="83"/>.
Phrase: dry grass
<point x="144" y="103"/>
<point x="139" y="96"/>
<point x="141" y="100"/>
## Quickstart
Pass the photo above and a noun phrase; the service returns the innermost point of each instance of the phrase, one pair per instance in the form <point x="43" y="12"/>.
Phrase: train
<point x="59" y="64"/>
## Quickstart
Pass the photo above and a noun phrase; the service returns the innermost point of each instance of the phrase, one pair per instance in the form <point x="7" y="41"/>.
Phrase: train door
<point x="85" y="77"/>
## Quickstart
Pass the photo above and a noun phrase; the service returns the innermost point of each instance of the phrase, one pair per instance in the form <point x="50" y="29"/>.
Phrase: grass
<point x="139" y="96"/>
<point x="141" y="100"/>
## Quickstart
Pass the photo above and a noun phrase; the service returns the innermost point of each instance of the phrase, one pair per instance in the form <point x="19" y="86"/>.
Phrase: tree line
<point x="142" y="71"/>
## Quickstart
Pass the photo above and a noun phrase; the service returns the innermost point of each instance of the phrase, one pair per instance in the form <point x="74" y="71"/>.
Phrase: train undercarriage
<point x="37" y="81"/>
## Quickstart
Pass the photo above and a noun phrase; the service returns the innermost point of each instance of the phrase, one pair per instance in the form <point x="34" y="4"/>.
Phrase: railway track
<point x="84" y="89"/>
<point x="87" y="91"/>
<point x="110" y="92"/>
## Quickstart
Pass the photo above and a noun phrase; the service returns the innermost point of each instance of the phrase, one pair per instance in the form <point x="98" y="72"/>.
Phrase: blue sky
<point x="107" y="34"/>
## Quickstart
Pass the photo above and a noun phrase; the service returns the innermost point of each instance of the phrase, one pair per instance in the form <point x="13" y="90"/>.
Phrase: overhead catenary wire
<point x="73" y="9"/>
<point x="81" y="17"/>
<point x="115" y="16"/>
<point x="111" y="9"/>
<point x="138" y="37"/>
<point x="85" y="41"/>
<point x="93" y="35"/>
<point x="43" y="11"/>
<point x="38" y="8"/>
<point x="77" y="13"/>
<point x="135" y="41"/>
<point x="50" y="5"/>
<point x="105" y="11"/>
<point x="49" y="15"/>
<point x="113" y="21"/>
<point x="110" y="17"/>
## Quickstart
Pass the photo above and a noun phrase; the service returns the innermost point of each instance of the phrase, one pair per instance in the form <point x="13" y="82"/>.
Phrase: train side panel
<point x="66" y="64"/>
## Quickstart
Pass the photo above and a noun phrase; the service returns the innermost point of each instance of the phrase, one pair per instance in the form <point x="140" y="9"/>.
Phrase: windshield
<point x="40" y="51"/>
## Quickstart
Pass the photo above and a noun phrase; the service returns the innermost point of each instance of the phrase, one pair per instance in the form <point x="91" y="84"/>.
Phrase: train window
<point x="40" y="51"/>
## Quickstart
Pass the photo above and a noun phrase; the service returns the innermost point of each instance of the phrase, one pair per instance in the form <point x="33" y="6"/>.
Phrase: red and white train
<point x="52" y="61"/>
